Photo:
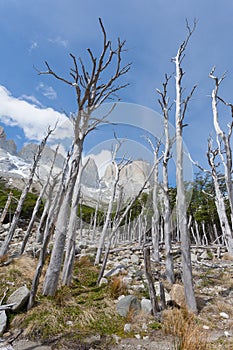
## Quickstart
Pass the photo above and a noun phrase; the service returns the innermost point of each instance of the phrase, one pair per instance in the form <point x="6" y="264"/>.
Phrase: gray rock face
<point x="132" y="176"/>
<point x="90" y="176"/>
<point x="27" y="153"/>
<point x="7" y="145"/>
<point x="19" y="298"/>
<point x="3" y="322"/>
<point x="128" y="303"/>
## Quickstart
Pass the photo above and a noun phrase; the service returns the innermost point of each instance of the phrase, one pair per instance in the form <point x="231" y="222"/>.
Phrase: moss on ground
<point x="76" y="312"/>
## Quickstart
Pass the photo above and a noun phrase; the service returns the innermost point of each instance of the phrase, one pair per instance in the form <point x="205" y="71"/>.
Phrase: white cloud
<point x="33" y="46"/>
<point x="59" y="41"/>
<point x="32" y="99"/>
<point x="47" y="91"/>
<point x="31" y="118"/>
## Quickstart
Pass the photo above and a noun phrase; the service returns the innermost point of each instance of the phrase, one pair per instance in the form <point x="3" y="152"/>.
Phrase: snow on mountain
<point x="17" y="165"/>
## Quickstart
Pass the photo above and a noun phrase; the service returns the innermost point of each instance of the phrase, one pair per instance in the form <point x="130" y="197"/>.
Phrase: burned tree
<point x="15" y="220"/>
<point x="181" y="104"/>
<point x="92" y="89"/>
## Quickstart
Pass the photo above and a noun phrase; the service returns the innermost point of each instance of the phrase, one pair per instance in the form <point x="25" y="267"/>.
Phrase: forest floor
<point x="84" y="316"/>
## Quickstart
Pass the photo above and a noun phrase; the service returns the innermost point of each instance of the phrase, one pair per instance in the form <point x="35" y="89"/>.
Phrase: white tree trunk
<point x="72" y="232"/>
<point x="108" y="215"/>
<point x="53" y="272"/>
<point x="8" y="202"/>
<point x="181" y="201"/>
<point x="219" y="201"/>
<point x="15" y="220"/>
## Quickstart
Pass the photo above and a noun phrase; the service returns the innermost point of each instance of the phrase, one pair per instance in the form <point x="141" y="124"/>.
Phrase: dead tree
<point x="117" y="223"/>
<point x="37" y="205"/>
<point x="150" y="282"/>
<point x="223" y="139"/>
<point x="181" y="104"/>
<point x="219" y="198"/>
<point x="15" y="220"/>
<point x="107" y="222"/>
<point x="72" y="231"/>
<point x="5" y="210"/>
<point x="55" y="197"/>
<point x="166" y="207"/>
<point x="155" y="229"/>
<point x="92" y="89"/>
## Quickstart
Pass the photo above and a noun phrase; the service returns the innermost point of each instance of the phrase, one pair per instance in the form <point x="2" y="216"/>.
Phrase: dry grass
<point x="187" y="334"/>
<point x="117" y="287"/>
<point x="81" y="309"/>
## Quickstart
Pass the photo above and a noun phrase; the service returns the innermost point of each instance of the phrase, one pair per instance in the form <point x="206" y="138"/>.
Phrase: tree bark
<point x="181" y="201"/>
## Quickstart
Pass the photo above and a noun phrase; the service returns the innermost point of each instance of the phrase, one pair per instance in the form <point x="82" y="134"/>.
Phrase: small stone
<point x="103" y="281"/>
<point x="146" y="337"/>
<point x="127" y="327"/>
<point x="134" y="259"/>
<point x="116" y="338"/>
<point x="204" y="255"/>
<point x="194" y="257"/>
<point x="206" y="327"/>
<point x="137" y="336"/>
<point x="227" y="334"/>
<point x="224" y="315"/>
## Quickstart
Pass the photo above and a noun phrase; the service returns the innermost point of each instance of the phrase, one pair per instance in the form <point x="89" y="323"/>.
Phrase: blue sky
<point x="34" y="31"/>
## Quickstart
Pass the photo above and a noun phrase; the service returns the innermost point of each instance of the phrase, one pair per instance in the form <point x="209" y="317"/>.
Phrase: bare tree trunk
<point x="150" y="281"/>
<point x="8" y="202"/>
<point x="155" y="230"/>
<point x="219" y="199"/>
<point x="224" y="139"/>
<point x="72" y="232"/>
<point x="198" y="233"/>
<point x="91" y="90"/>
<point x="120" y="220"/>
<point x="108" y="215"/>
<point x="54" y="203"/>
<point x="166" y="200"/>
<point x="53" y="272"/>
<point x="181" y="201"/>
<point x="52" y="213"/>
<point x="15" y="220"/>
<point x="37" y="206"/>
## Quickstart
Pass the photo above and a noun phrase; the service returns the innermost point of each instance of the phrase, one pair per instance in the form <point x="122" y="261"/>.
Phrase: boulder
<point x="3" y="322"/>
<point x="146" y="306"/>
<point x="177" y="295"/>
<point x="19" y="298"/>
<point x="128" y="303"/>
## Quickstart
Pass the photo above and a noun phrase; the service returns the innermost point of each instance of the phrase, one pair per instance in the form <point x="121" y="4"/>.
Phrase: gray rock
<point x="19" y="298"/>
<point x="3" y="321"/>
<point x="116" y="270"/>
<point x="177" y="295"/>
<point x="134" y="259"/>
<point x="128" y="303"/>
<point x="146" y="306"/>
<point x="204" y="255"/>
<point x="127" y="327"/>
